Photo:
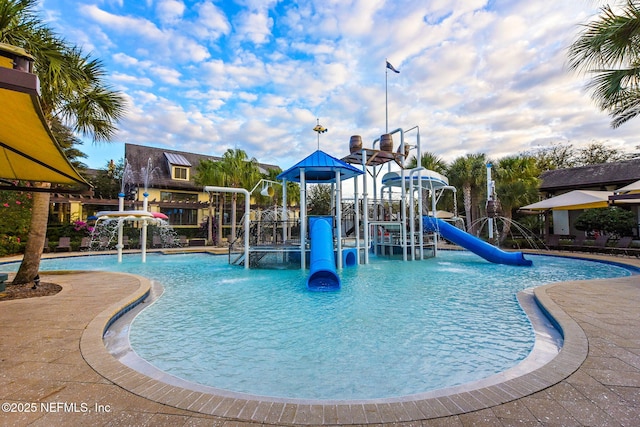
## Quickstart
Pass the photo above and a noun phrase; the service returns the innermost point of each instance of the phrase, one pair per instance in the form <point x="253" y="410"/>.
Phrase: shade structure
<point x="427" y="179"/>
<point x="320" y="168"/>
<point x="573" y="200"/>
<point x="629" y="194"/>
<point x="634" y="187"/>
<point x="28" y="150"/>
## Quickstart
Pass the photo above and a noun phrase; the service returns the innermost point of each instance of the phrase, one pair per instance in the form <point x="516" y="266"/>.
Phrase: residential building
<point x="170" y="186"/>
<point x="607" y="177"/>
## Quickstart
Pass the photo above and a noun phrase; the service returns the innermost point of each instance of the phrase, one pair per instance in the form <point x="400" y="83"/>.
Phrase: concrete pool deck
<point x="55" y="369"/>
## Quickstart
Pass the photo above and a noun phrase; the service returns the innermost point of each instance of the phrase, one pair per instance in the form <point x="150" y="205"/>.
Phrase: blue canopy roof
<point x="321" y="168"/>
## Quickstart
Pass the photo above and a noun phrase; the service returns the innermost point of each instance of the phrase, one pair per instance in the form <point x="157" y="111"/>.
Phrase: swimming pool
<point x="394" y="329"/>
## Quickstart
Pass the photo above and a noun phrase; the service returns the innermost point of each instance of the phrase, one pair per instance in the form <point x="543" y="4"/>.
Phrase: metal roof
<point x="319" y="167"/>
<point x="177" y="159"/>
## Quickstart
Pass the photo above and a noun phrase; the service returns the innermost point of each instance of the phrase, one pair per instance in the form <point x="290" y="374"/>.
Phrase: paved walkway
<point x="50" y="356"/>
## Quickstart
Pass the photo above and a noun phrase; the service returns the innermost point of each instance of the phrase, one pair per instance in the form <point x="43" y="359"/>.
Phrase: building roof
<point x="319" y="167"/>
<point x="592" y="177"/>
<point x="177" y="159"/>
<point x="138" y="155"/>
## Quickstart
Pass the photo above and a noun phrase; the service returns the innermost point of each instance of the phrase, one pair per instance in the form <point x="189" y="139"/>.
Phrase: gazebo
<point x="319" y="168"/>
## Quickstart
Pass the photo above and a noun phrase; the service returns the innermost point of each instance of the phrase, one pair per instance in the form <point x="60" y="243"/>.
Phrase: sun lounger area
<point x="601" y="244"/>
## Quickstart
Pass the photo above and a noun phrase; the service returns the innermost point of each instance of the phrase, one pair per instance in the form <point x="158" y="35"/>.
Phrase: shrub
<point x="613" y="220"/>
<point x="10" y="245"/>
<point x="15" y="214"/>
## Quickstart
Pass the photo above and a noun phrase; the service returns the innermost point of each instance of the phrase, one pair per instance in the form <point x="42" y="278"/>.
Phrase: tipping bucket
<point x="386" y="142"/>
<point x="355" y="144"/>
<point x="406" y="149"/>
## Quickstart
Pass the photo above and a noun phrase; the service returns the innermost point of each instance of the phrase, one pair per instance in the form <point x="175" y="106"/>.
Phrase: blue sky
<point x="204" y="76"/>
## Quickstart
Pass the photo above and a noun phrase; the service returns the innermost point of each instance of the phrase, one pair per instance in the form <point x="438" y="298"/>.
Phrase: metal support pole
<point x="339" y="219"/>
<point x="412" y="218"/>
<point x="365" y="208"/>
<point x="119" y="244"/>
<point x="143" y="234"/>
<point x="403" y="203"/>
<point x="356" y="208"/>
<point x="489" y="199"/>
<point x="303" y="220"/>
<point x="435" y="234"/>
<point x="284" y="211"/>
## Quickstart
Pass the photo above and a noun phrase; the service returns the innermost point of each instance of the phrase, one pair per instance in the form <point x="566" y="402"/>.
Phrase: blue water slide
<point x="322" y="263"/>
<point x="473" y="244"/>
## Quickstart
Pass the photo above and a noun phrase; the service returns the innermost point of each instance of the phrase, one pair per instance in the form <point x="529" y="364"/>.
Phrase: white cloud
<point x="211" y="22"/>
<point x="169" y="45"/>
<point x="254" y="26"/>
<point x="476" y="75"/>
<point x="170" y="11"/>
<point x="167" y="75"/>
<point x="127" y="79"/>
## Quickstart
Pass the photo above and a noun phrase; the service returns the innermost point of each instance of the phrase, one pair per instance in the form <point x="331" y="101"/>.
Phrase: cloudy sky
<point x="475" y="76"/>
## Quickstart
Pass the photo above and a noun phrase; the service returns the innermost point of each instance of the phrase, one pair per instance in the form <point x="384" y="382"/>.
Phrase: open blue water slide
<point x="473" y="244"/>
<point x="322" y="262"/>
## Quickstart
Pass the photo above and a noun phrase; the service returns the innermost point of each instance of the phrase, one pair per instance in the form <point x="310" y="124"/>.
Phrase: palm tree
<point x="209" y="172"/>
<point x="467" y="172"/>
<point x="239" y="172"/>
<point x="516" y="185"/>
<point x="429" y="161"/>
<point x="432" y="162"/>
<point x="72" y="92"/>
<point x="608" y="48"/>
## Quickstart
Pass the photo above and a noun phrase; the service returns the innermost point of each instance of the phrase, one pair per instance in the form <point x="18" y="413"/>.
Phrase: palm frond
<point x="611" y="40"/>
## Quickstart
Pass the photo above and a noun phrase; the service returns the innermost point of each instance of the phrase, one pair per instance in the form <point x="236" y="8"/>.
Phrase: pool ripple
<point x="394" y="328"/>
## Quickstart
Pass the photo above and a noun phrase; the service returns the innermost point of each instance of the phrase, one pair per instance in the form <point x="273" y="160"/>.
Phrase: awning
<point x="28" y="150"/>
<point x="629" y="194"/>
<point x="634" y="187"/>
<point x="573" y="200"/>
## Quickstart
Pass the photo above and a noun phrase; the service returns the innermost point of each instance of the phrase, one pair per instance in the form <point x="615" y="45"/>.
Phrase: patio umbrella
<point x="573" y="200"/>
<point x="28" y="150"/>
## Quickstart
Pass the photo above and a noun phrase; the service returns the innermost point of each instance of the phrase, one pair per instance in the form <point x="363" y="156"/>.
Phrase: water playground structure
<point x="393" y="222"/>
<point x="112" y="222"/>
<point x="399" y="220"/>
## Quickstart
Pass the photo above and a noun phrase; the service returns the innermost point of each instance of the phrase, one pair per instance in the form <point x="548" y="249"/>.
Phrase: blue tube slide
<point x="322" y="262"/>
<point x="473" y="244"/>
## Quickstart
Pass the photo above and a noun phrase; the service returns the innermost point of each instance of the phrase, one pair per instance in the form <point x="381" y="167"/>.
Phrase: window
<point x="177" y="197"/>
<point x="180" y="216"/>
<point x="180" y="173"/>
<point x="179" y="166"/>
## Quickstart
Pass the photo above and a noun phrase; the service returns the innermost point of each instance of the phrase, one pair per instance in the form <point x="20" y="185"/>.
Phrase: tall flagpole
<point x="386" y="97"/>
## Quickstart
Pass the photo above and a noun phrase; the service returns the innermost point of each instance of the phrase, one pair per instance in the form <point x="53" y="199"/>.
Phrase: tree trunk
<point x="506" y="228"/>
<point x="234" y="199"/>
<point x="210" y="221"/>
<point x="426" y="207"/>
<point x="220" y="218"/>
<point x="37" y="235"/>
<point x="466" y="197"/>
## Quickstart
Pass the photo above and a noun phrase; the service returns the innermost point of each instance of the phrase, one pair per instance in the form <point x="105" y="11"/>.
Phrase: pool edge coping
<point x="567" y="361"/>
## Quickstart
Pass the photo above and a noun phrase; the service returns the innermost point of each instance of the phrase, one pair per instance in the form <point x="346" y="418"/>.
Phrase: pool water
<point x="394" y="328"/>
